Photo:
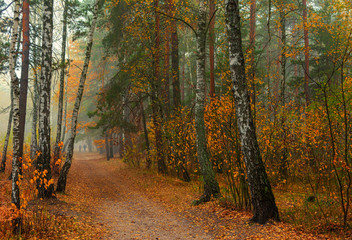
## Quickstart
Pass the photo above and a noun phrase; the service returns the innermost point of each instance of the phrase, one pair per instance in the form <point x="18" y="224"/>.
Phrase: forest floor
<point x="111" y="200"/>
<point x="130" y="203"/>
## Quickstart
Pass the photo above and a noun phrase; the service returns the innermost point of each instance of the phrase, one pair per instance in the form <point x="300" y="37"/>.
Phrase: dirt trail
<point x="124" y="212"/>
<point x="124" y="203"/>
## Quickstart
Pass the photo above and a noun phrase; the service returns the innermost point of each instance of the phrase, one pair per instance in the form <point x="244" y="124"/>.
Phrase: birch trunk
<point x="211" y="186"/>
<point x="34" y="140"/>
<point x="62" y="83"/>
<point x="16" y="161"/>
<point x="262" y="197"/>
<point x="45" y="190"/>
<point x="61" y="184"/>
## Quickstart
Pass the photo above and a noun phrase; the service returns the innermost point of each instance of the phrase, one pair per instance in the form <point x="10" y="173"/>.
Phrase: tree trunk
<point x="111" y="145"/>
<point x="107" y="146"/>
<point x="35" y="100"/>
<point x="166" y="94"/>
<point x="121" y="144"/>
<point x="283" y="164"/>
<point x="147" y="146"/>
<point x="57" y="146"/>
<point x="24" y="73"/>
<point x="61" y="184"/>
<point x="262" y="197"/>
<point x="34" y="140"/>
<point x="251" y="73"/>
<point x="64" y="115"/>
<point x="16" y="161"/>
<point x="211" y="47"/>
<point x="175" y="59"/>
<point x="45" y="190"/>
<point x="306" y="52"/>
<point x="155" y="88"/>
<point x="211" y="186"/>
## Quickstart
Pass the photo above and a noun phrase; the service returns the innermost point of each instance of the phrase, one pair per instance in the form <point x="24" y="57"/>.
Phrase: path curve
<point x="122" y="209"/>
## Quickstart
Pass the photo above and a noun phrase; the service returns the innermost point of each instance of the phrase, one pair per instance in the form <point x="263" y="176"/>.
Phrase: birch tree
<point x="61" y="184"/>
<point x="43" y="162"/>
<point x="263" y="201"/>
<point x="211" y="186"/>
<point x="16" y="161"/>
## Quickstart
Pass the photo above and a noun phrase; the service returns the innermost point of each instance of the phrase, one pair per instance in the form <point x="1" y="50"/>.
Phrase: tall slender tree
<point x="61" y="184"/>
<point x="35" y="91"/>
<point x="175" y="59"/>
<point x="155" y="92"/>
<point x="24" y="72"/>
<point x="211" y="186"/>
<point x="263" y="201"/>
<point x="251" y="74"/>
<point x="16" y="160"/>
<point x="43" y="162"/>
<point x="306" y="53"/>
<point x="212" y="47"/>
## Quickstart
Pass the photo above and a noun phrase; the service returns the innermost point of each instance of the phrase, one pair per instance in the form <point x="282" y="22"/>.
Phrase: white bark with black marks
<point x="262" y="197"/>
<point x="43" y="162"/>
<point x="211" y="186"/>
<point x="16" y="161"/>
<point x="61" y="184"/>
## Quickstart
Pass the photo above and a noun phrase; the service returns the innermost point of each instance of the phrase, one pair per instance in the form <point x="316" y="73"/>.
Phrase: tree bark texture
<point x="45" y="190"/>
<point x="211" y="186"/>
<point x="61" y="184"/>
<point x="155" y="88"/>
<point x="262" y="197"/>
<point x="16" y="160"/>
<point x="34" y="138"/>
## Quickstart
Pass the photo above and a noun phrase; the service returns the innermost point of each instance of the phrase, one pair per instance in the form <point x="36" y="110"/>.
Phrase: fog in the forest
<point x="4" y="104"/>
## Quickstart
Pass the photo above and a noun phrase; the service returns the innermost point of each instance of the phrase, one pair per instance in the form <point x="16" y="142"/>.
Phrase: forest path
<point x="128" y="203"/>
<point x="120" y="206"/>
